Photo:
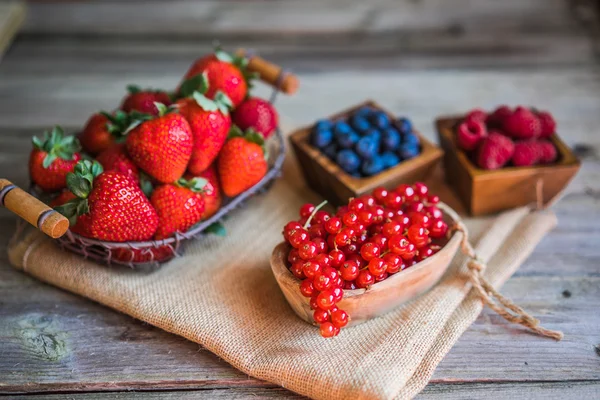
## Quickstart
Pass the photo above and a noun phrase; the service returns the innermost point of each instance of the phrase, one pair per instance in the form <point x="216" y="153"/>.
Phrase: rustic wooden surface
<point x="419" y="58"/>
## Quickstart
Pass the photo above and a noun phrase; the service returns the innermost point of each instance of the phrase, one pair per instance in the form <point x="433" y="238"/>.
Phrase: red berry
<point x="359" y="260"/>
<point x="313" y="302"/>
<point x="338" y="294"/>
<point x="393" y="200"/>
<point x="410" y="252"/>
<point x="311" y="269"/>
<point x="289" y="228"/>
<point x="293" y="256"/>
<point x="350" y="219"/>
<point x="306" y="288"/>
<point x="326" y="299"/>
<point x="496" y="119"/>
<point x="321" y="316"/>
<point x="391" y="228"/>
<point x="380" y="240"/>
<point x="339" y="318"/>
<point x="381" y="277"/>
<point x="546" y="151"/>
<point x="421" y="219"/>
<point x="321" y="217"/>
<point x="394" y="263"/>
<point x="349" y="286"/>
<point x="323" y="260"/>
<point x="433" y="199"/>
<point x="337" y="258"/>
<point x="364" y="279"/>
<point x="327" y="330"/>
<point x="438" y="229"/>
<point x="370" y="250"/>
<point x="330" y="272"/>
<point x="369" y="200"/>
<point x="356" y="205"/>
<point x="398" y="244"/>
<point x="421" y="189"/>
<point x="316" y="230"/>
<point x="365" y="217"/>
<point x="548" y="124"/>
<point x="525" y="154"/>
<point x="378" y="213"/>
<point x="470" y="133"/>
<point x="298" y="270"/>
<point x="407" y="192"/>
<point x="339" y="283"/>
<point x="322" y="282"/>
<point x="476" y="114"/>
<point x="306" y="210"/>
<point x="377" y="266"/>
<point x="433" y="212"/>
<point x="523" y="124"/>
<point x="342" y="238"/>
<point x="349" y="270"/>
<point x="307" y="250"/>
<point x="321" y="244"/>
<point x="333" y="225"/>
<point x="299" y="237"/>
<point x="380" y="194"/>
<point x="494" y="151"/>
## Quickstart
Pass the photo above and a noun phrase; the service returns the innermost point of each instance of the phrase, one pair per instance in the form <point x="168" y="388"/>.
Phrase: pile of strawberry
<point x="364" y="242"/>
<point x="506" y="137"/>
<point x="162" y="161"/>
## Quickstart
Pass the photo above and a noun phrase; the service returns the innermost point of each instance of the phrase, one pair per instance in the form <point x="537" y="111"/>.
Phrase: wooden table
<point x="418" y="58"/>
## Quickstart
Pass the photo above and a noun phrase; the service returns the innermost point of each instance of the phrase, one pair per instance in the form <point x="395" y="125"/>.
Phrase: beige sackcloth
<point x="222" y="294"/>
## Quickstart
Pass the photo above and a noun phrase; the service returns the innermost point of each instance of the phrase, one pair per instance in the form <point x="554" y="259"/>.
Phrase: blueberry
<point x="411" y="138"/>
<point x="372" y="166"/>
<point x="360" y="123"/>
<point x="390" y="159"/>
<point x="347" y="141"/>
<point x="408" y="151"/>
<point x="380" y="119"/>
<point x="404" y="125"/>
<point x="375" y="134"/>
<point x="390" y="139"/>
<point x="356" y="174"/>
<point x="323" y="124"/>
<point x="331" y="151"/>
<point x="363" y="112"/>
<point x="341" y="127"/>
<point x="366" y="147"/>
<point x="348" y="160"/>
<point x="321" y="138"/>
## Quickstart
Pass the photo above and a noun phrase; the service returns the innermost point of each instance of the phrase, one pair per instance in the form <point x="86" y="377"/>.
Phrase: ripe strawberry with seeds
<point x="258" y="114"/>
<point x="179" y="206"/>
<point x="225" y="73"/>
<point x="161" y="145"/>
<point x="212" y="191"/>
<point x="115" y="158"/>
<point x="209" y="123"/>
<point x="52" y="159"/>
<point x="109" y="205"/>
<point x="103" y="130"/>
<point x="148" y="254"/>
<point x="242" y="163"/>
<point x="142" y="100"/>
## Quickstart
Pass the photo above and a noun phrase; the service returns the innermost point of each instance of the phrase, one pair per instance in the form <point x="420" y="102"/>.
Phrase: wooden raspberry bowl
<point x="333" y="183"/>
<point x="488" y="191"/>
<point x="380" y="298"/>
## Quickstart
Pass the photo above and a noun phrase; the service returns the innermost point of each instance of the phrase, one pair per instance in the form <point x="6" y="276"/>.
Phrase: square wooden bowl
<point x="332" y="182"/>
<point x="488" y="191"/>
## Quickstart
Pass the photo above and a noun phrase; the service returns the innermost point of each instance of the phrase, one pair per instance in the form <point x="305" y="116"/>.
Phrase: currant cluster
<point x="364" y="242"/>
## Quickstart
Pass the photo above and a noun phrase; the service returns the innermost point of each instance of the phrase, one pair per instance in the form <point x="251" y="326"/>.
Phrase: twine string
<point x="492" y="298"/>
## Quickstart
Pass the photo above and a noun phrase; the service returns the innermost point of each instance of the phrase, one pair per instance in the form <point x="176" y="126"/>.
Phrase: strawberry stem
<point x="317" y="208"/>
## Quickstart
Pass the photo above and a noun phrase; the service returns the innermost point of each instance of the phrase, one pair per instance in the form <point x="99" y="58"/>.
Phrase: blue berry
<point x="366" y="147"/>
<point x="341" y="127"/>
<point x="372" y="166"/>
<point x="331" y="151"/>
<point x="348" y="160"/>
<point x="380" y="119"/>
<point x="347" y="141"/>
<point x="390" y="159"/>
<point x="375" y="134"/>
<point x="360" y="123"/>
<point x="356" y="174"/>
<point x="411" y="138"/>
<point x="408" y="151"/>
<point x="363" y="112"/>
<point x="323" y="124"/>
<point x="321" y="138"/>
<point x="390" y="139"/>
<point x="404" y="125"/>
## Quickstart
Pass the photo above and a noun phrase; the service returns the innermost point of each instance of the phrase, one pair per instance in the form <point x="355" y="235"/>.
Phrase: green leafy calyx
<point x="197" y="83"/>
<point x="221" y="102"/>
<point x="56" y="145"/>
<point x="216" y="228"/>
<point x="195" y="184"/>
<point x="249" y="135"/>
<point x="80" y="183"/>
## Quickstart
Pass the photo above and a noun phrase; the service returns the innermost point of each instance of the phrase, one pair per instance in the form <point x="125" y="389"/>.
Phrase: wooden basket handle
<point x="32" y="210"/>
<point x="271" y="73"/>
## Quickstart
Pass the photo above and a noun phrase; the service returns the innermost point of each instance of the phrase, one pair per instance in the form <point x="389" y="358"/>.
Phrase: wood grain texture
<point x="417" y="58"/>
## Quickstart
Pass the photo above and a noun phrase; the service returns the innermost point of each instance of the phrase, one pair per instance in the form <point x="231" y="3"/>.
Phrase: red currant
<point x="434" y="212"/>
<point x="369" y="200"/>
<point x="321" y="217"/>
<point x="380" y="194"/>
<point x="416" y="207"/>
<point x="417" y="234"/>
<point x="421" y="219"/>
<point x="306" y="288"/>
<point x="298" y="237"/>
<point x="338" y="294"/>
<point x="293" y="256"/>
<point x="323" y="260"/>
<point x="321" y="316"/>
<point x="410" y="252"/>
<point x="306" y="210"/>
<point x="311" y="269"/>
<point x="339" y="318"/>
<point x="313" y="302"/>
<point x="331" y="242"/>
<point x="365" y="217"/>
<point x="333" y="225"/>
<point x="407" y="192"/>
<point x="356" y="205"/>
<point x="359" y="260"/>
<point x="341" y="211"/>
<point x="349" y="270"/>
<point x="378" y="213"/>
<point x="349" y="285"/>
<point x="339" y="282"/>
<point x="377" y="266"/>
<point x="381" y="277"/>
<point x="298" y="270"/>
<point x="403" y="220"/>
<point x="394" y="263"/>
<point x="321" y="244"/>
<point x="398" y="244"/>
<point x="337" y="258"/>
<point x="308" y="250"/>
<point x="322" y="282"/>
<point x="289" y="228"/>
<point x="388" y="214"/>
<point x="393" y="200"/>
<point x="391" y="228"/>
<point x="326" y="299"/>
<point x="364" y="279"/>
<point x="421" y="189"/>
<point x="350" y="219"/>
<point x="330" y="272"/>
<point x="369" y="251"/>
<point x="342" y="238"/>
<point x="433" y="199"/>
<point x="438" y="229"/>
<point x="327" y="330"/>
<point x="316" y="230"/>
<point x="379" y="240"/>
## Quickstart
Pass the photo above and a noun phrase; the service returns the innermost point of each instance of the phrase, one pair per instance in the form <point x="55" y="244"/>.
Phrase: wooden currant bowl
<point x="488" y="191"/>
<point x="380" y="298"/>
<point x="332" y="182"/>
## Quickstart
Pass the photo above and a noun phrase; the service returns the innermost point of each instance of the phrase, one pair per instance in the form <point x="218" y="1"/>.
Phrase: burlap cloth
<point x="222" y="295"/>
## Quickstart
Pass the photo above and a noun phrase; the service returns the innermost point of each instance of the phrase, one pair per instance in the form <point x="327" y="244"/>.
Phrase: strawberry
<point x="547" y="152"/>
<point x="548" y="124"/>
<point x="210" y="123"/>
<point x="143" y="100"/>
<point x="115" y="158"/>
<point x="103" y="130"/>
<point x="523" y="124"/>
<point x="258" y="114"/>
<point x="109" y="205"/>
<point x="242" y="162"/>
<point x="526" y="153"/>
<point x="148" y="254"/>
<point x="63" y="197"/>
<point x="224" y="73"/>
<point x="494" y="151"/>
<point x="52" y="159"/>
<point x="212" y="191"/>
<point x="161" y="145"/>
<point x="178" y="205"/>
<point x="498" y="116"/>
<point x="470" y="133"/>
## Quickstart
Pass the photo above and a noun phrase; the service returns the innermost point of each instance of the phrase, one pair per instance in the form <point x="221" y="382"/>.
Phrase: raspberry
<point x="523" y="124"/>
<point x="546" y="151"/>
<point x="494" y="151"/>
<point x="476" y="114"/>
<point x="548" y="124"/>
<point x="497" y="118"/>
<point x="525" y="154"/>
<point x="470" y="133"/>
